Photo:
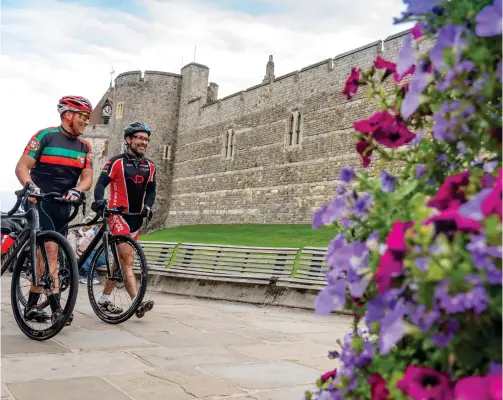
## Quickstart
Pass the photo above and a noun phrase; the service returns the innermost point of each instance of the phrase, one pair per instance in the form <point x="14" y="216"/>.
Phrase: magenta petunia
<point x="352" y="83"/>
<point x="451" y="194"/>
<point x="451" y="221"/>
<point x="391" y="262"/>
<point x="378" y="388"/>
<point x="388" y="130"/>
<point x="364" y="148"/>
<point x="421" y="383"/>
<point x="492" y="203"/>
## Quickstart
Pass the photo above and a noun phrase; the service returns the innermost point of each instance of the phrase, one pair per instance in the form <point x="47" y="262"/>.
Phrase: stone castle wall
<point x="259" y="178"/>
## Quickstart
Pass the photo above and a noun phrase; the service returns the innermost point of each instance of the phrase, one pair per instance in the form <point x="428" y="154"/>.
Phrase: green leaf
<point x="405" y="190"/>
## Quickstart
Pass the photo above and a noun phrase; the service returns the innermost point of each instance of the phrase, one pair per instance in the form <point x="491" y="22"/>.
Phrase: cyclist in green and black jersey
<point x="56" y="159"/>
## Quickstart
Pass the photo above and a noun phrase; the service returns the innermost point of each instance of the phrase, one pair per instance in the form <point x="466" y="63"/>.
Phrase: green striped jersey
<point x="60" y="159"/>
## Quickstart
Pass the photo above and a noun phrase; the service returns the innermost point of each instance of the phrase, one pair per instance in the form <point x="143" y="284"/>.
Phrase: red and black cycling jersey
<point x="132" y="184"/>
<point x="60" y="159"/>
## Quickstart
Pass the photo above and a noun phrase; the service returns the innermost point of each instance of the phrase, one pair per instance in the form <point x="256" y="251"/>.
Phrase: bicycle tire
<point x="109" y="319"/>
<point x="53" y="330"/>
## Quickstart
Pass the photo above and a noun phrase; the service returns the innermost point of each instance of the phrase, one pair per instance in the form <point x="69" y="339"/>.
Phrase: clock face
<point x="107" y="110"/>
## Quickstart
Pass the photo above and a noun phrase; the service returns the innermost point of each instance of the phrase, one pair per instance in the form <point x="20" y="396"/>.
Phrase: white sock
<point x="104" y="297"/>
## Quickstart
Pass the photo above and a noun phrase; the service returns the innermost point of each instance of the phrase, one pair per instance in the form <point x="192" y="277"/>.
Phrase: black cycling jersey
<point x="60" y="159"/>
<point x="132" y="183"/>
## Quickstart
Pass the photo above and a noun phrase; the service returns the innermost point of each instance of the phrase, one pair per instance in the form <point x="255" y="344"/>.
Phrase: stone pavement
<point x="183" y="349"/>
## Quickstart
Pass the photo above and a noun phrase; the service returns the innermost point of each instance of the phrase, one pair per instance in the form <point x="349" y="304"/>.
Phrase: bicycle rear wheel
<point x="65" y="278"/>
<point x="119" y="276"/>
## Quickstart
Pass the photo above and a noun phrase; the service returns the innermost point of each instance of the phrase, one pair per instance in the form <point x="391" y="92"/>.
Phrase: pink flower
<point x="451" y="221"/>
<point x="391" y="262"/>
<point x="416" y="30"/>
<point x="450" y="194"/>
<point x="378" y="388"/>
<point x="492" y="203"/>
<point x="424" y="383"/>
<point x="352" y="83"/>
<point x="364" y="148"/>
<point x="478" y="388"/>
<point x="386" y="129"/>
<point x="327" y="375"/>
<point x="389" y="66"/>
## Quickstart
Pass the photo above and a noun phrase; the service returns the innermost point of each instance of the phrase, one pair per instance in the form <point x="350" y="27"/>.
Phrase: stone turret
<point x="212" y="93"/>
<point x="269" y="71"/>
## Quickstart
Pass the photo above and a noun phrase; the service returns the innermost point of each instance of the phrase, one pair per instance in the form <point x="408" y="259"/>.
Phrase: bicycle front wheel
<point x="122" y="283"/>
<point x="57" y="275"/>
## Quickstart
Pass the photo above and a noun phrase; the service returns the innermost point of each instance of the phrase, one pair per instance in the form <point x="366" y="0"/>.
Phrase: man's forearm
<point x="86" y="181"/>
<point x="23" y="174"/>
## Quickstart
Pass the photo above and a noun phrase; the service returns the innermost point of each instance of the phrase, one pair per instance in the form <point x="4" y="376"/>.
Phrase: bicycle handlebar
<point x="52" y="196"/>
<point x="106" y="212"/>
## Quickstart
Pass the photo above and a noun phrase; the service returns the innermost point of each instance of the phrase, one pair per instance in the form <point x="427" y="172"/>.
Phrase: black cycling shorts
<point x="53" y="216"/>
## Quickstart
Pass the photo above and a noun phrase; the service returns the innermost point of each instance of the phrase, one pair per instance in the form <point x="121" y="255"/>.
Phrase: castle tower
<point x="152" y="97"/>
<point x="269" y="71"/>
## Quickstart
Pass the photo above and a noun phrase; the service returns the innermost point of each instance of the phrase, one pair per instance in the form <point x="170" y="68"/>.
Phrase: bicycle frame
<point x="104" y="233"/>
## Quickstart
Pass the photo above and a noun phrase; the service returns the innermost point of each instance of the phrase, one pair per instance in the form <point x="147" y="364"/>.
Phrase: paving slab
<point x="185" y="348"/>
<point x="89" y="388"/>
<point x="191" y="356"/>
<point x="264" y="375"/>
<point x="16" y="344"/>
<point x="102" y="339"/>
<point x="145" y="386"/>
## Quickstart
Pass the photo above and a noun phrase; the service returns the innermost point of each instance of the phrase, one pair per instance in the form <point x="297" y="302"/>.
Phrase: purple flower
<point x="362" y="204"/>
<point x="463" y="66"/>
<point x="347" y="175"/>
<point x="392" y="329"/>
<point x="489" y="20"/>
<point x="424" y="318"/>
<point x="445" y="333"/>
<point x="449" y="117"/>
<point x="420" y="170"/>
<point x="473" y="208"/>
<point x="333" y="354"/>
<point x="406" y="57"/>
<point x="418" y="7"/>
<point x="388" y="181"/>
<point x="490" y="166"/>
<point x="420" y="79"/>
<point x="499" y="72"/>
<point x="329" y="213"/>
<point x="449" y="37"/>
<point x="332" y="297"/>
<point x="475" y="300"/>
<point x="461" y="147"/>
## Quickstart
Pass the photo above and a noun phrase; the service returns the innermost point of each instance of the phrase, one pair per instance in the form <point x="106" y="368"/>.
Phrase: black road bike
<point x="114" y="270"/>
<point x="23" y="256"/>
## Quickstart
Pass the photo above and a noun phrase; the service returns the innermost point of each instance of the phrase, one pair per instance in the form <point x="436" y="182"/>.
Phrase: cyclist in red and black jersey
<point x="56" y="159"/>
<point x="132" y="180"/>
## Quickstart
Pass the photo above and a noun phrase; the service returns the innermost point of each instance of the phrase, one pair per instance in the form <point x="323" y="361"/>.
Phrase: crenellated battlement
<point x="338" y="66"/>
<point x="129" y="78"/>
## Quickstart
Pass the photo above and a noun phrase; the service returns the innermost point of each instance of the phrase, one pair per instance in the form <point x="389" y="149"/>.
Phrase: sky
<point x="52" y="48"/>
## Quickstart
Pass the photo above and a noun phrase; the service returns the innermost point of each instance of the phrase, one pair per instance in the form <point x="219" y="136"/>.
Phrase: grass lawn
<point x="261" y="235"/>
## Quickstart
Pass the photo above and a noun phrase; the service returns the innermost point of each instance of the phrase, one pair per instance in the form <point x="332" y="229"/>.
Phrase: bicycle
<point x="23" y="253"/>
<point x="110" y="243"/>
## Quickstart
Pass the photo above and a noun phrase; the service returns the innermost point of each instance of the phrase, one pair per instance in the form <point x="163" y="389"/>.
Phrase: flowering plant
<point x="417" y="259"/>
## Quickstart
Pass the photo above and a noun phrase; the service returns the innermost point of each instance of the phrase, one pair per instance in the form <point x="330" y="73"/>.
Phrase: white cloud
<point x="51" y="49"/>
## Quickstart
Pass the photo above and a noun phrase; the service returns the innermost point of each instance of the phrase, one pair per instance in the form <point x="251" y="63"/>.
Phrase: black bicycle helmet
<point x="134" y="127"/>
